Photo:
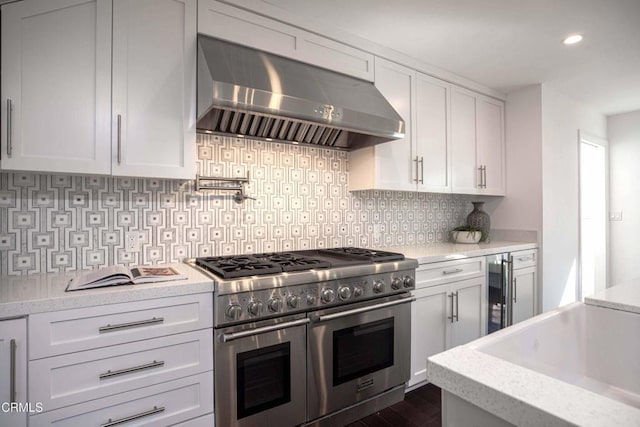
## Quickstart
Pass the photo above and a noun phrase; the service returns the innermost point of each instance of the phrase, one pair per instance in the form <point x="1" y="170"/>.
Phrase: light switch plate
<point x="615" y="216"/>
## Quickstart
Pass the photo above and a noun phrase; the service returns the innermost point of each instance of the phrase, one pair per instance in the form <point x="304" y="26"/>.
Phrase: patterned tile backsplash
<point x="57" y="223"/>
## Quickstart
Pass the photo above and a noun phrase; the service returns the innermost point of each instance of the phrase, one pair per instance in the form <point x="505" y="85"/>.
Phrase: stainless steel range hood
<point x="246" y="92"/>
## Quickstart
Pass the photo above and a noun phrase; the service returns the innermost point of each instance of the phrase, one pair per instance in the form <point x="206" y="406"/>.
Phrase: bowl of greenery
<point x="466" y="234"/>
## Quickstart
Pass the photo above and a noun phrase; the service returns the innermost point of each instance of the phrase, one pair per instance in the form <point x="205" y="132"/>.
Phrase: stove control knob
<point x="396" y="283"/>
<point x="378" y="286"/>
<point x="409" y="282"/>
<point x="311" y="300"/>
<point x="274" y="305"/>
<point x="293" y="301"/>
<point x="233" y="311"/>
<point x="357" y="291"/>
<point x="327" y="295"/>
<point x="344" y="293"/>
<point x="255" y="307"/>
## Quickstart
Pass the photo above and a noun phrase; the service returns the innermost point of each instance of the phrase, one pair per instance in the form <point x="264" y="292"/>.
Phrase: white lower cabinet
<point x="525" y="283"/>
<point x="13" y="372"/>
<point x="445" y="316"/>
<point x="162" y="404"/>
<point x="146" y="363"/>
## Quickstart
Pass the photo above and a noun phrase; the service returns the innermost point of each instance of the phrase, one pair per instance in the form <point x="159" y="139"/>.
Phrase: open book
<point x="110" y="276"/>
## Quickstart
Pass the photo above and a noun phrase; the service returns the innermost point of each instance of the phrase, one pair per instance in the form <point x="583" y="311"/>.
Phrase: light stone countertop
<point x="527" y="398"/>
<point x="437" y="252"/>
<point x="521" y="396"/>
<point x="24" y="295"/>
<point x="625" y="297"/>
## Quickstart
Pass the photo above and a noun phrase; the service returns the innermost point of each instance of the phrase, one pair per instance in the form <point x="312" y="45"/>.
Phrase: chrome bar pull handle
<point x="416" y="179"/>
<point x="421" y="170"/>
<point x="237" y="335"/>
<point x="111" y="374"/>
<point x="12" y="363"/>
<point x="457" y="307"/>
<point x="515" y="292"/>
<point x="138" y="324"/>
<point x="480" y="176"/>
<point x="484" y="176"/>
<point x="363" y="309"/>
<point x="119" y="138"/>
<point x="119" y="421"/>
<point x="454" y="271"/>
<point x="9" y="127"/>
<point x="453" y="316"/>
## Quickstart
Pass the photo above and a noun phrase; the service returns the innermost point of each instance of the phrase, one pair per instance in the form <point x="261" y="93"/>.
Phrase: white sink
<point x="591" y="347"/>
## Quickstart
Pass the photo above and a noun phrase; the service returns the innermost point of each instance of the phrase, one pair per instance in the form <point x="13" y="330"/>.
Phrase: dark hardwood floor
<point x="420" y="408"/>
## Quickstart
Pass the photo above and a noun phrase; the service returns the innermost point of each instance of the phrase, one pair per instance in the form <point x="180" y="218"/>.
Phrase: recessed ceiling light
<point x="573" y="39"/>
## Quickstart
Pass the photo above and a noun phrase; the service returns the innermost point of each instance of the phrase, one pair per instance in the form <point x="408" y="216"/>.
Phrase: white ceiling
<point x="506" y="44"/>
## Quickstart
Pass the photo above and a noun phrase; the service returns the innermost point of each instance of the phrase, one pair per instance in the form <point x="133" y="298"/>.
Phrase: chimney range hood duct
<point x="246" y="92"/>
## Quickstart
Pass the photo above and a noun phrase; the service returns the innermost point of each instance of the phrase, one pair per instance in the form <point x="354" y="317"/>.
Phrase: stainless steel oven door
<point x="260" y="373"/>
<point x="356" y="352"/>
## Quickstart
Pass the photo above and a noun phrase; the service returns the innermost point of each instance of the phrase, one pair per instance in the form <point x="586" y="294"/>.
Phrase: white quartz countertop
<point x="521" y="396"/>
<point x="625" y="297"/>
<point x="426" y="254"/>
<point x="24" y="295"/>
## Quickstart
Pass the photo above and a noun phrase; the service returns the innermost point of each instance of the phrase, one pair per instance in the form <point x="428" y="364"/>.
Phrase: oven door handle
<point x="237" y="335"/>
<point x="363" y="309"/>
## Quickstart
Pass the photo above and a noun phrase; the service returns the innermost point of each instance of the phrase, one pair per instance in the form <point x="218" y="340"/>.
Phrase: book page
<point x="102" y="277"/>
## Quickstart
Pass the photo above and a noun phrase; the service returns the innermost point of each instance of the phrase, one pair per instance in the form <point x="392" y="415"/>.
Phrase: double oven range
<point x="318" y="337"/>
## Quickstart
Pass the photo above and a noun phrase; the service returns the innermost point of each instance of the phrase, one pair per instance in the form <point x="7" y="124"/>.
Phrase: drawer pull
<point x="111" y="374"/>
<point x="153" y="411"/>
<point x="454" y="271"/>
<point x="525" y="258"/>
<point x="112" y="328"/>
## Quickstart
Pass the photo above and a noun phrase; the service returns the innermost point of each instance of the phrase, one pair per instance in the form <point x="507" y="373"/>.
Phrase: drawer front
<point x="449" y="271"/>
<point x="159" y="405"/>
<point x="73" y="378"/>
<point x="206" y="421"/>
<point x="524" y="259"/>
<point x="67" y="331"/>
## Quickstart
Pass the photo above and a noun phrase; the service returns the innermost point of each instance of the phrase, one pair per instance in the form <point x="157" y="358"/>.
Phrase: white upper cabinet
<point x="432" y="134"/>
<point x="63" y="112"/>
<point x="389" y="166"/>
<point x="420" y="160"/>
<point x="224" y="21"/>
<point x="154" y="59"/>
<point x="56" y="86"/>
<point x="491" y="144"/>
<point x="477" y="143"/>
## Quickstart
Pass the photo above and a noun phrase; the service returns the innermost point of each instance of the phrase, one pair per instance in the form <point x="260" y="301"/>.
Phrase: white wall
<point x="624" y="195"/>
<point x="561" y="119"/>
<point x="521" y="208"/>
<point x="542" y="182"/>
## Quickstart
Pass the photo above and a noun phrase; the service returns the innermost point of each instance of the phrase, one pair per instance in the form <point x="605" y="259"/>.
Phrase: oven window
<point x="263" y="379"/>
<point x="362" y="349"/>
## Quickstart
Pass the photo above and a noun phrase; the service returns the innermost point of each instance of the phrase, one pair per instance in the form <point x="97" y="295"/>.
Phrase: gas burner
<point x="366" y="254"/>
<point x="293" y="262"/>
<point x="237" y="266"/>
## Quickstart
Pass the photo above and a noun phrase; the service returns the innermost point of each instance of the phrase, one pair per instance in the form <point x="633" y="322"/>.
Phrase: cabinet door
<point x="464" y="172"/>
<point x="154" y="56"/>
<point x="13" y="364"/>
<point x="490" y="144"/>
<point x="470" y="311"/>
<point x="432" y="133"/>
<point x="56" y="86"/>
<point x="524" y="285"/>
<point x="428" y="329"/>
<point x="395" y="168"/>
